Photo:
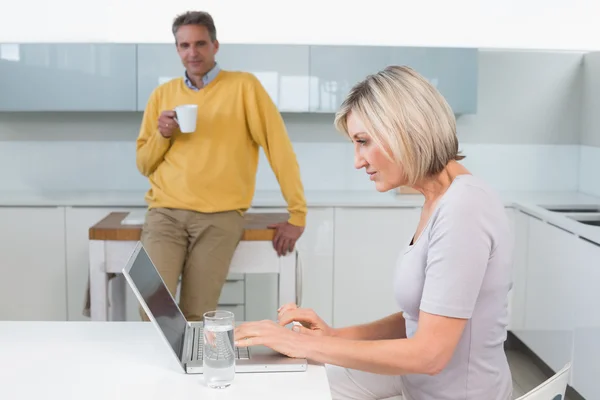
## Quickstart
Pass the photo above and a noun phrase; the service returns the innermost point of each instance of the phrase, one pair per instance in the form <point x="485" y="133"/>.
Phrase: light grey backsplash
<point x="590" y="130"/>
<point x="525" y="136"/>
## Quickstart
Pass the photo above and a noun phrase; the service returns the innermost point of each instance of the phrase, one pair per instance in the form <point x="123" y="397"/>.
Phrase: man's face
<point x="196" y="50"/>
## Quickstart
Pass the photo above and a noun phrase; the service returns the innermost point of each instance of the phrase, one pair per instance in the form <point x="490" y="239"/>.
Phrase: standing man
<point x="202" y="182"/>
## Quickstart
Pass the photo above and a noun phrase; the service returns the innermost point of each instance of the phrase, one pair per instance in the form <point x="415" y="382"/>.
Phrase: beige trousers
<point x="195" y="246"/>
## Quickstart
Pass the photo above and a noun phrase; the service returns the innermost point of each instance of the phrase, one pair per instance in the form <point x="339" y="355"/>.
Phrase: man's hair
<point x="200" y="18"/>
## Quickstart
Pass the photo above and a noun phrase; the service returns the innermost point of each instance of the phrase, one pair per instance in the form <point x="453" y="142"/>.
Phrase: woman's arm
<point x="391" y="327"/>
<point x="427" y="352"/>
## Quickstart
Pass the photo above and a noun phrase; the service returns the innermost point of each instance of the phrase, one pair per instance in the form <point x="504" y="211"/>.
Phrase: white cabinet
<point x="368" y="244"/>
<point x="32" y="263"/>
<point x="315" y="251"/>
<point x="549" y="313"/>
<point x="335" y="69"/>
<point x="282" y="70"/>
<point x="67" y="77"/>
<point x="517" y="296"/>
<point x="584" y="269"/>
<point x="453" y="71"/>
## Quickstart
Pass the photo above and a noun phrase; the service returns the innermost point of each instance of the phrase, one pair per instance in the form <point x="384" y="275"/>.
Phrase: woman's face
<point x="386" y="174"/>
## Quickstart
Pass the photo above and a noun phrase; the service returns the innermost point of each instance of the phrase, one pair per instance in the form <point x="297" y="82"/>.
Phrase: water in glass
<point x="219" y="352"/>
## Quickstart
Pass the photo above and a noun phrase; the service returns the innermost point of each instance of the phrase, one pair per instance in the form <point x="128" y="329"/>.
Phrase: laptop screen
<point x="158" y="299"/>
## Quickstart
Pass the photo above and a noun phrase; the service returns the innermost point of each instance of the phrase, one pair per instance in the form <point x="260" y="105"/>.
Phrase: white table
<point x="123" y="360"/>
<point x="109" y="254"/>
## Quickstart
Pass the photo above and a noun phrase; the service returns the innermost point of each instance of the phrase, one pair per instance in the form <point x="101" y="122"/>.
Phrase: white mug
<point x="186" y="116"/>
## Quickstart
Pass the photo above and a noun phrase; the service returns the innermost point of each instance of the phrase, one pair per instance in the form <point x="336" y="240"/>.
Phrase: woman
<point x="453" y="280"/>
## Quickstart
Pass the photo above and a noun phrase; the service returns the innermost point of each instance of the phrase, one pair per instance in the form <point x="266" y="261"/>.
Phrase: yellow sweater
<point x="214" y="168"/>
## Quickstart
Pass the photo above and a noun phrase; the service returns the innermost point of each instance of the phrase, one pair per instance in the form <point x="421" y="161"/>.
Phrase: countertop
<point x="318" y="198"/>
<point x="529" y="202"/>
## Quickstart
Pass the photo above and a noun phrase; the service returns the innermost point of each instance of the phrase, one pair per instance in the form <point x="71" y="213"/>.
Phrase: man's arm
<point x="268" y="130"/>
<point x="151" y="146"/>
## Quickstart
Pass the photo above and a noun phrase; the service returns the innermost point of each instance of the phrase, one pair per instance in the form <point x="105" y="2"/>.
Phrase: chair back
<point x="552" y="389"/>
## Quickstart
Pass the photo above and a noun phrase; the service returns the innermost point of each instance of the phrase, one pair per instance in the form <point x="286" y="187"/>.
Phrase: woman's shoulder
<point x="471" y="198"/>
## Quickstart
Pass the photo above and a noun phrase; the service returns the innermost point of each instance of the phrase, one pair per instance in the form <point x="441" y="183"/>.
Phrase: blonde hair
<point x="407" y="116"/>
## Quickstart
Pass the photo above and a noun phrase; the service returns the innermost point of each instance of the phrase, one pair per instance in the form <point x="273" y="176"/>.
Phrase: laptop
<point x="184" y="338"/>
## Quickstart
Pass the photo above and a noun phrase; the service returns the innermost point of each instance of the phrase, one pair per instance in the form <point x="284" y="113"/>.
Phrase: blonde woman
<point x="453" y="280"/>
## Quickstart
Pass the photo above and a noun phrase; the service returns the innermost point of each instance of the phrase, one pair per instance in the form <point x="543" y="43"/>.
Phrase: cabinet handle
<point x="298" y="279"/>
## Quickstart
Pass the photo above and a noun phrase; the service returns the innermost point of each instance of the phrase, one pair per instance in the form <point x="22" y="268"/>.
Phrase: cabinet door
<point x="550" y="315"/>
<point x="518" y="293"/>
<point x="584" y="302"/>
<point x="32" y="261"/>
<point x="282" y="70"/>
<point x="335" y="69"/>
<point x="67" y="77"/>
<point x="368" y="244"/>
<point x="453" y="71"/>
<point x="156" y="64"/>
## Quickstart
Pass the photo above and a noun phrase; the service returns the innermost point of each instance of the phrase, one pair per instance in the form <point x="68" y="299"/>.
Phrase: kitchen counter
<point x="528" y="202"/>
<point x="319" y="198"/>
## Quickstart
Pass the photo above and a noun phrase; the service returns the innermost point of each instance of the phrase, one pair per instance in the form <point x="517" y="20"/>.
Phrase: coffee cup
<point x="186" y="116"/>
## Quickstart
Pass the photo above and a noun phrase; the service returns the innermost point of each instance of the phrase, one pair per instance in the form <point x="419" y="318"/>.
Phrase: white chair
<point x="552" y="389"/>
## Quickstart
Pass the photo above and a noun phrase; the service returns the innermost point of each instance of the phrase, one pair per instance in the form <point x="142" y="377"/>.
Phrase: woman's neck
<point x="434" y="187"/>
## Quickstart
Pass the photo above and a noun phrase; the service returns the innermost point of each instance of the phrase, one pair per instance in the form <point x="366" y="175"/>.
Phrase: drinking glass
<point x="219" y="349"/>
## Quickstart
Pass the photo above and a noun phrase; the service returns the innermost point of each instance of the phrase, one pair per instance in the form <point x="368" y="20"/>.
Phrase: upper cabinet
<point x="282" y="70"/>
<point x="156" y="64"/>
<point x="335" y="69"/>
<point x="453" y="71"/>
<point x="67" y="77"/>
<point x="298" y="78"/>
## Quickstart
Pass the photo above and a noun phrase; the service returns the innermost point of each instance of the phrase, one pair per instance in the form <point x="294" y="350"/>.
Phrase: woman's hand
<point x="274" y="336"/>
<point x="310" y="322"/>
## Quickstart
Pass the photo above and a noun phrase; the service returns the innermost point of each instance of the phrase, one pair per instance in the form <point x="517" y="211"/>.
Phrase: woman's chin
<point x="383" y="187"/>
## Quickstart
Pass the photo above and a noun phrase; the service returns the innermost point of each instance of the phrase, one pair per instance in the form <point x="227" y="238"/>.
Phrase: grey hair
<point x="200" y="18"/>
<point x="408" y="117"/>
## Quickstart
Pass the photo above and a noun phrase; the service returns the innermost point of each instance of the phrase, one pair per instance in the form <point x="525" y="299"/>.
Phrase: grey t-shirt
<point x="460" y="266"/>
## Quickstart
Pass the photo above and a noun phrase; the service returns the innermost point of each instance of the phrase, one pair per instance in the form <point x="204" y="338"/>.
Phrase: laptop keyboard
<point x="240" y="353"/>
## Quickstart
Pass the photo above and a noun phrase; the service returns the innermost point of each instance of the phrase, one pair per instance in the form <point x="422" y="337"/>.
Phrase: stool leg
<point x="287" y="278"/>
<point x="117" y="298"/>
<point x="98" y="282"/>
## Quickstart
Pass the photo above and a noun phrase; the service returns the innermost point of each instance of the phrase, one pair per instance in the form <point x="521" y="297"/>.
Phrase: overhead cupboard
<point x="299" y="78"/>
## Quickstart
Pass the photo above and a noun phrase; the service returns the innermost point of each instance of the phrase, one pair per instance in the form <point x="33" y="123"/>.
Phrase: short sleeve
<point x="460" y="246"/>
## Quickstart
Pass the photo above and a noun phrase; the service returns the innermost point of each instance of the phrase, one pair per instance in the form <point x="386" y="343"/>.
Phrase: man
<point x="203" y="182"/>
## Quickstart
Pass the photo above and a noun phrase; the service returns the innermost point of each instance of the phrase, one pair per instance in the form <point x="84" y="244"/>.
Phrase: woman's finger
<point x="301" y="315"/>
<point x="303" y="330"/>
<point x="286" y="307"/>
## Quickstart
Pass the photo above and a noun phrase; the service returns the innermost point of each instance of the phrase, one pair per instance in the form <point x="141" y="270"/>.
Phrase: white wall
<point x="524" y="137"/>
<point x="590" y="129"/>
<point x="529" y="24"/>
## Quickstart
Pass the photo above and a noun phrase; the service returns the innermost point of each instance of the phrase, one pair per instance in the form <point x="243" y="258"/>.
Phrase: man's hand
<point x="286" y="236"/>
<point x="167" y="124"/>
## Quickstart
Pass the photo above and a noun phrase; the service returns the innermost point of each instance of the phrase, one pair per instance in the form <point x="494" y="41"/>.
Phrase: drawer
<point x="232" y="293"/>
<point x="239" y="312"/>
